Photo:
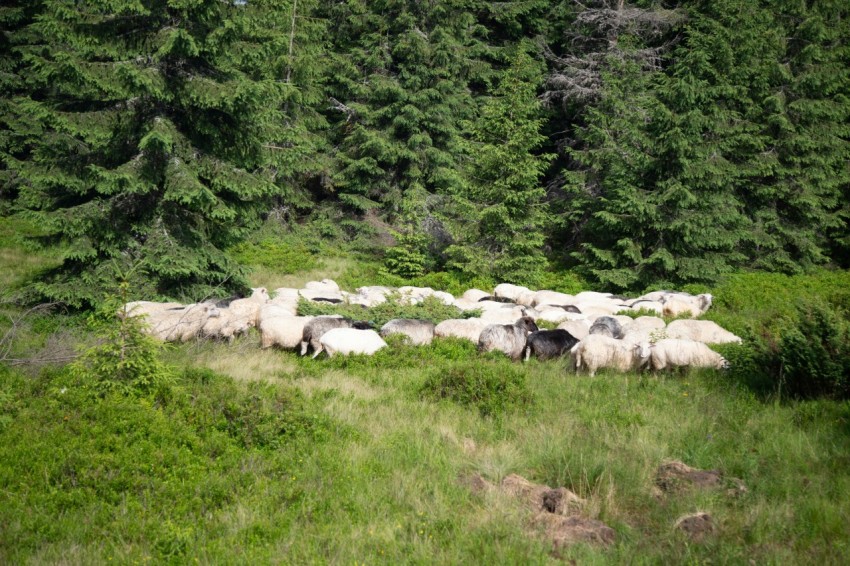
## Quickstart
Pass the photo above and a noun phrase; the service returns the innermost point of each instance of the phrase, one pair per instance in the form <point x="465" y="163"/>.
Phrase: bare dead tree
<point x="594" y="43"/>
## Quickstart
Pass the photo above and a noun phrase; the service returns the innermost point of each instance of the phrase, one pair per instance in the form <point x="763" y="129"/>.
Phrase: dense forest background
<point x="637" y="144"/>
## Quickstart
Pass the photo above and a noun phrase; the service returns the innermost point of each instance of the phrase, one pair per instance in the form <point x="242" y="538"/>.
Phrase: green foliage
<point x="792" y="329"/>
<point x="126" y="360"/>
<point x="408" y="258"/>
<point x="282" y="256"/>
<point x="151" y="140"/>
<point x="492" y="388"/>
<point x="815" y="352"/>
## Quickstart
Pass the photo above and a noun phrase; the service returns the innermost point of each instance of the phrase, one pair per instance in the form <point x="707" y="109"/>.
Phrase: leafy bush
<point x="491" y="388"/>
<point x="815" y="352"/>
<point x="126" y="359"/>
<point x="804" y="355"/>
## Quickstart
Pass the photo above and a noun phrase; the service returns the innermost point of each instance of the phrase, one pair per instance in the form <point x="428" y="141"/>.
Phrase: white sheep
<point x="507" y="338"/>
<point x="420" y="332"/>
<point x="578" y="328"/>
<point x="348" y="341"/>
<point x="474" y="295"/>
<point x="706" y="331"/>
<point x="508" y="314"/>
<point x="646" y="305"/>
<point x="237" y="317"/>
<point x="678" y="304"/>
<point x="546" y="297"/>
<point x="147" y="308"/>
<point x="509" y="291"/>
<point x="279" y="328"/>
<point x="674" y="352"/>
<point x="644" y="323"/>
<point x="466" y="328"/>
<point x="181" y="324"/>
<point x="316" y="328"/>
<point x="325" y="286"/>
<point x="598" y="351"/>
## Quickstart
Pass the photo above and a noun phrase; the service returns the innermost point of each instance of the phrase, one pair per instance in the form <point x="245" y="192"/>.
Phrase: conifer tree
<point x="402" y="83"/>
<point x="503" y="233"/>
<point x="155" y="119"/>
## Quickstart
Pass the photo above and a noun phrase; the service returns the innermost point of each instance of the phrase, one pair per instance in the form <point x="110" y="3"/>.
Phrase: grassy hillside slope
<point x="256" y="456"/>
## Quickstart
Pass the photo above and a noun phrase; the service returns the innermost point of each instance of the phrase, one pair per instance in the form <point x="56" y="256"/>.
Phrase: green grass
<point x="266" y="457"/>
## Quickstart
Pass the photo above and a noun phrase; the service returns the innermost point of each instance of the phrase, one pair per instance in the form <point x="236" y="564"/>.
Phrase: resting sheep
<point x="420" y="332"/>
<point x="348" y="341"/>
<point x="315" y="328"/>
<point x="598" y="351"/>
<point x="549" y="344"/>
<point x="674" y="352"/>
<point x="507" y="338"/>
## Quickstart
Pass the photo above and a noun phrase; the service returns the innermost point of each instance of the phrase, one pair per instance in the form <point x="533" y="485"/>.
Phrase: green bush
<point x="805" y="354"/>
<point x="815" y="352"/>
<point x="492" y="388"/>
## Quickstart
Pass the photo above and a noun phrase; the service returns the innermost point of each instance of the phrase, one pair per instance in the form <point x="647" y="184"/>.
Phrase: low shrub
<point x="803" y="355"/>
<point x="492" y="388"/>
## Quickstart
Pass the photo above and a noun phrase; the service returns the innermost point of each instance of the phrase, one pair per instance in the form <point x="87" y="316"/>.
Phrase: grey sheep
<point x="507" y="338"/>
<point x="420" y="332"/>
<point x="607" y="326"/>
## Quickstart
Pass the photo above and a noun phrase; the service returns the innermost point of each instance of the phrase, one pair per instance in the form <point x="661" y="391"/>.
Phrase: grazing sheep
<point x="578" y="328"/>
<point x="507" y="338"/>
<point x="348" y="341"/>
<point x="321" y="296"/>
<point x="647" y="305"/>
<point x="509" y="291"/>
<point x="325" y="285"/>
<point x="509" y="314"/>
<point x="147" y="308"/>
<point x="474" y="295"/>
<point x="315" y="328"/>
<point x="548" y="344"/>
<point x="607" y="326"/>
<point x="496" y="299"/>
<point x="466" y="328"/>
<point x="675" y="305"/>
<point x="237" y="317"/>
<point x="598" y="351"/>
<point x="279" y="328"/>
<point x="592" y="296"/>
<point x="181" y="324"/>
<point x="674" y="352"/>
<point x="644" y="323"/>
<point x="705" y="331"/>
<point x="546" y="297"/>
<point x="420" y="332"/>
<point x="369" y="296"/>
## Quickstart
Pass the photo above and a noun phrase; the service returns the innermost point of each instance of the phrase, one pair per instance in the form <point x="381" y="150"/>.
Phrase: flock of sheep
<point x="590" y="333"/>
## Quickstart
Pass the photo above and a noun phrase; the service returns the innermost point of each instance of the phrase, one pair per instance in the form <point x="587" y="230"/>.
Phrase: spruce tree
<point x="156" y="120"/>
<point x="503" y="232"/>
<point x="403" y="77"/>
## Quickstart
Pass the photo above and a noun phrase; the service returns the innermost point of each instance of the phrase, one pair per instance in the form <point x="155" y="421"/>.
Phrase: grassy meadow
<point x="262" y="457"/>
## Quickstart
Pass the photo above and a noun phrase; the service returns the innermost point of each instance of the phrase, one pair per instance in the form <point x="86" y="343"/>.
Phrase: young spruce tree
<point x="155" y="122"/>
<point x="504" y="233"/>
